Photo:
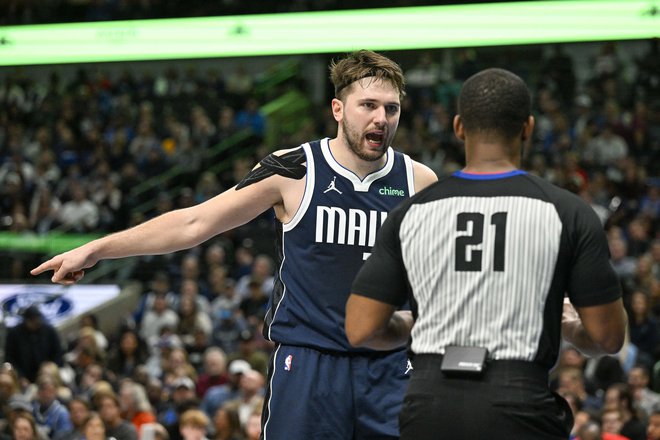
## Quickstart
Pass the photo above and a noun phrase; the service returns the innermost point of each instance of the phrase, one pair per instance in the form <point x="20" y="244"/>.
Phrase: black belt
<point x="496" y="370"/>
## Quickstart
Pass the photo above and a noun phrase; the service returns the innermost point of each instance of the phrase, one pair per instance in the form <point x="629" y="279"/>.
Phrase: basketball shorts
<point x="316" y="395"/>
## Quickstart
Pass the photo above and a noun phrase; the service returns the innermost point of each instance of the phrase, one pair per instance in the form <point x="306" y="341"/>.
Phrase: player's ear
<point x="459" y="129"/>
<point x="337" y="109"/>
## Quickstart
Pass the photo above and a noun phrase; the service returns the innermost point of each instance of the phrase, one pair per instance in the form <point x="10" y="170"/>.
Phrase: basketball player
<point x="330" y="197"/>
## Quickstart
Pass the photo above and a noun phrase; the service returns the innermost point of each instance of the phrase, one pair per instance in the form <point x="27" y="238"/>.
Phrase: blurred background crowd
<point x="94" y="149"/>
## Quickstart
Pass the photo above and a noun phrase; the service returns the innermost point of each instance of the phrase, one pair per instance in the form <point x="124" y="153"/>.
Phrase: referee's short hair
<point x="495" y="102"/>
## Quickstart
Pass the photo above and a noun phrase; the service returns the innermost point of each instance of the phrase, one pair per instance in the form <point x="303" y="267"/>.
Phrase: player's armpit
<point x="289" y="165"/>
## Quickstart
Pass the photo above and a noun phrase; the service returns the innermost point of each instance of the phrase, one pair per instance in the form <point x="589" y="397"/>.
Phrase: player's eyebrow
<point x="362" y="100"/>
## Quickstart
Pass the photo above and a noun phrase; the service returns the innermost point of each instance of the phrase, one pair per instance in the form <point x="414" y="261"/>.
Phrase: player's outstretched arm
<point x="375" y="324"/>
<point x="170" y="232"/>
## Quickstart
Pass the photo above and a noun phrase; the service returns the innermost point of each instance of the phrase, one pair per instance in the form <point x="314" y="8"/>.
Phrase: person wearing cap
<point x="182" y="397"/>
<point x="247" y="350"/>
<point x="218" y="395"/>
<point x="31" y="343"/>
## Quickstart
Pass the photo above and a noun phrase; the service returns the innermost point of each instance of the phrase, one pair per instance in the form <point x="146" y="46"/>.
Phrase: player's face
<point x="370" y="117"/>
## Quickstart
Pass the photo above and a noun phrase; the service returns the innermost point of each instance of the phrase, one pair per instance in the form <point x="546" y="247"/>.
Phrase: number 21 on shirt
<point x="470" y="227"/>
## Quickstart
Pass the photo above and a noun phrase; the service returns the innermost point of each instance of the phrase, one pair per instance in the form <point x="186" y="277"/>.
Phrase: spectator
<point x="644" y="399"/>
<point x="31" y="343"/>
<point x="218" y="395"/>
<point x="248" y="351"/>
<point x="128" y="354"/>
<point x="24" y="428"/>
<point x="134" y="404"/>
<point x="79" y="411"/>
<point x="619" y="398"/>
<point x="644" y="328"/>
<point x="193" y="425"/>
<point x="653" y="430"/>
<point x="159" y="284"/>
<point x="215" y="371"/>
<point x="251" y="117"/>
<point x="51" y="415"/>
<point x="191" y="318"/>
<point x="93" y="428"/>
<point x="255" y="305"/>
<point x="79" y="214"/>
<point x="158" y="317"/>
<point x="182" y="399"/>
<point x="110" y="412"/>
<point x="226" y="423"/>
<point x="261" y="272"/>
<point x="250" y="395"/>
<point x="612" y="423"/>
<point x="253" y="426"/>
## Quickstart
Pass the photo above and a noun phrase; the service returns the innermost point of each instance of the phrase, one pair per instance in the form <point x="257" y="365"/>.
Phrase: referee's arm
<point x="375" y="324"/>
<point x="380" y="287"/>
<point x="595" y="330"/>
<point x="594" y="321"/>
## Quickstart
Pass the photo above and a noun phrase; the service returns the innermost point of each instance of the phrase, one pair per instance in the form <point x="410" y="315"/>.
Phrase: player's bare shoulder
<point x="424" y="176"/>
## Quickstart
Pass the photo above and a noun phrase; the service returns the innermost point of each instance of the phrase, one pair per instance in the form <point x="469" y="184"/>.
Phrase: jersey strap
<point x="289" y="165"/>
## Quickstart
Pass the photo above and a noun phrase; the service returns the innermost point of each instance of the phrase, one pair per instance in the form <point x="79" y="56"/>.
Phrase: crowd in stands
<point x="16" y="12"/>
<point x="191" y="361"/>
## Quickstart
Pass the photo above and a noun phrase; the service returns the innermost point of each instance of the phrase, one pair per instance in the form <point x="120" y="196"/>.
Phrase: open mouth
<point x="375" y="139"/>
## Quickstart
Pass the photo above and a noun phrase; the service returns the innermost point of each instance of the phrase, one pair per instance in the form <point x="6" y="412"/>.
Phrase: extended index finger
<point x="43" y="267"/>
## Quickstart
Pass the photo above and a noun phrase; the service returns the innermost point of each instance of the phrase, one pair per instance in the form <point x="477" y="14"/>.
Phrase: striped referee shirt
<point x="486" y="260"/>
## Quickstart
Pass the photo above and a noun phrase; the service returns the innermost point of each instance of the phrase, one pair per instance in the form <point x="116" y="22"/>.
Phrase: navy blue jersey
<point x="322" y="248"/>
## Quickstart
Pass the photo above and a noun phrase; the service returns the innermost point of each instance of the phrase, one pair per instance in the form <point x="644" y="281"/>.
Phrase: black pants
<point x="510" y="401"/>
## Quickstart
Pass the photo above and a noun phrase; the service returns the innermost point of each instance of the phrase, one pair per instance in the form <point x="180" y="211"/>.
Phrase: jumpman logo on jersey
<point x="409" y="367"/>
<point x="332" y="186"/>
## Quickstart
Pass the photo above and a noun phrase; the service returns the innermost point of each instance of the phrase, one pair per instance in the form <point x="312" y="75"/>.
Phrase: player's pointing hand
<point x="67" y="267"/>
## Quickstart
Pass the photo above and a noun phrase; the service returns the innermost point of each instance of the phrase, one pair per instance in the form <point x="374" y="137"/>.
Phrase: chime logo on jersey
<point x="287" y="362"/>
<point x="352" y="227"/>
<point x="389" y="191"/>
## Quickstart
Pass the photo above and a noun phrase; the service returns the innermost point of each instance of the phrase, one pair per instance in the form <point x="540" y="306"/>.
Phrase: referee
<point x="486" y="257"/>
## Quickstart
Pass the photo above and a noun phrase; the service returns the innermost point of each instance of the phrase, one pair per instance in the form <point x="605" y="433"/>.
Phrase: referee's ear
<point x="459" y="129"/>
<point x="528" y="128"/>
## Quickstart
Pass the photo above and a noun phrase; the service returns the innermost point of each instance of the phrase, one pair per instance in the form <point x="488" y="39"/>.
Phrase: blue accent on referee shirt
<point x="470" y="176"/>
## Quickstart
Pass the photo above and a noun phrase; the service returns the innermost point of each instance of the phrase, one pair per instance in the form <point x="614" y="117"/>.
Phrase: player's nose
<point x="380" y="116"/>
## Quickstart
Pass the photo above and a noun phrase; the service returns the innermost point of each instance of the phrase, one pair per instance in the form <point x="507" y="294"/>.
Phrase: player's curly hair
<point x="496" y="102"/>
<point x="363" y="64"/>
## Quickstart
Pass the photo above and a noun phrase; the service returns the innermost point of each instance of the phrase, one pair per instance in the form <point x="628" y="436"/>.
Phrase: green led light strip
<point x="488" y="24"/>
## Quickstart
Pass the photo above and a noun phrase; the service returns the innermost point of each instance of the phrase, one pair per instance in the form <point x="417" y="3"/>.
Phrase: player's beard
<point x="355" y="142"/>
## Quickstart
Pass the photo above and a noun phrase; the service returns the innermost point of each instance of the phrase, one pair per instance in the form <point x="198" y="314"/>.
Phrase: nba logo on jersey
<point x="287" y="362"/>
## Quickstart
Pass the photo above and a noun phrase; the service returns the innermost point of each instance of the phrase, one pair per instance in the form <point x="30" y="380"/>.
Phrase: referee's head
<point x="495" y="103"/>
